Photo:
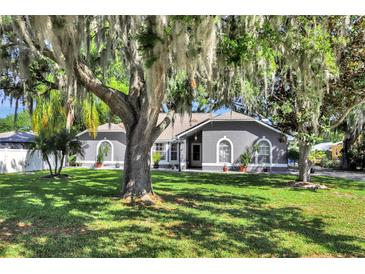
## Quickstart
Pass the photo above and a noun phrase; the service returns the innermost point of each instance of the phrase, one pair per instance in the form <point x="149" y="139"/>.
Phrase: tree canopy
<point x="286" y="66"/>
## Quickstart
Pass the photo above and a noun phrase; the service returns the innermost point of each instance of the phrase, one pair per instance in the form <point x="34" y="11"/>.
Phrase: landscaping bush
<point x="156" y="157"/>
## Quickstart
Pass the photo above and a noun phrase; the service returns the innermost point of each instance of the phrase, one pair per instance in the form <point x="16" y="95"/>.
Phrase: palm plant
<point x="42" y="143"/>
<point x="65" y="143"/>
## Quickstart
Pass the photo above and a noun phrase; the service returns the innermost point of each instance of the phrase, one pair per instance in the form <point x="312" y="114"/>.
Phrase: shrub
<point x="316" y="156"/>
<point x="293" y="154"/>
<point x="156" y="157"/>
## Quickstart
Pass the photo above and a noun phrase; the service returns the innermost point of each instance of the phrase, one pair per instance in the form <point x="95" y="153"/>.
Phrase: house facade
<point x="202" y="141"/>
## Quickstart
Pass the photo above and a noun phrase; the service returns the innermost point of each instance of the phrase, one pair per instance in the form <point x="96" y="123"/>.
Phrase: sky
<point x="6" y="109"/>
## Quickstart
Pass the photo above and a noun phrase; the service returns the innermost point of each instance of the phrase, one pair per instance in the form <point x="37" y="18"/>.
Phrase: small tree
<point x="44" y="146"/>
<point x="65" y="143"/>
<point x="59" y="145"/>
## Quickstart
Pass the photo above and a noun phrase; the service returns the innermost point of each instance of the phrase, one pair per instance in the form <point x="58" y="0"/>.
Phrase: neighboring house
<point x="333" y="150"/>
<point x="16" y="140"/>
<point x="202" y="141"/>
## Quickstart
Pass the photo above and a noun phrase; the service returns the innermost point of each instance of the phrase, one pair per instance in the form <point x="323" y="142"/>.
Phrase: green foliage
<point x="328" y="163"/>
<point x="293" y="154"/>
<point x="247" y="156"/>
<point x="147" y="40"/>
<point x="23" y="122"/>
<point x="50" y="113"/>
<point x="316" y="156"/>
<point x="156" y="157"/>
<point x="72" y="159"/>
<point x="357" y="155"/>
<point x="59" y="144"/>
<point x="180" y="96"/>
<point x="90" y="116"/>
<point x="103" y="151"/>
<point x="118" y="85"/>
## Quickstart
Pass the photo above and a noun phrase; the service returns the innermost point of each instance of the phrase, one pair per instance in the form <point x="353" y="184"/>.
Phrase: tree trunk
<point x="137" y="183"/>
<point x="49" y="165"/>
<point x="345" y="155"/>
<point x="61" y="164"/>
<point x="304" y="162"/>
<point x="56" y="163"/>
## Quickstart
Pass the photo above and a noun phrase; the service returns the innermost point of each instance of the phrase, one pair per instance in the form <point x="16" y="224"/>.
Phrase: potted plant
<point x="102" y="153"/>
<point x="245" y="159"/>
<point x="225" y="168"/>
<point x="156" y="157"/>
<point x="99" y="159"/>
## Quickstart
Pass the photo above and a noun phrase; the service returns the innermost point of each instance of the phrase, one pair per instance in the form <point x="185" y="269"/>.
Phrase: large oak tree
<point x="99" y="52"/>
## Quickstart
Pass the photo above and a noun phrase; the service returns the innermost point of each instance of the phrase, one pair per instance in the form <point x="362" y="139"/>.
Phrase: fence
<point x="21" y="160"/>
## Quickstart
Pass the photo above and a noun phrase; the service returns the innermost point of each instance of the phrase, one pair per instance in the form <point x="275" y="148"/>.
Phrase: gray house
<point x="202" y="141"/>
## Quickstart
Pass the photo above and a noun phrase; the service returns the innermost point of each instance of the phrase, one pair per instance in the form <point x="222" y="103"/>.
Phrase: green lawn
<point x="204" y="215"/>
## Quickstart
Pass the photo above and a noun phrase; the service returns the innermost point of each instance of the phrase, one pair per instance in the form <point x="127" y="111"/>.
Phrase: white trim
<point x="112" y="149"/>
<point x="271" y="149"/>
<point x="232" y="120"/>
<point x="217" y="154"/>
<point x="193" y="128"/>
<point x="250" y="165"/>
<point x="166" y="146"/>
<point x="105" y="162"/>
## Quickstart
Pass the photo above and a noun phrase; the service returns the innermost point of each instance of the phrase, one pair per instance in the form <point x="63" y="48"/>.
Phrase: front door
<point x="196" y="155"/>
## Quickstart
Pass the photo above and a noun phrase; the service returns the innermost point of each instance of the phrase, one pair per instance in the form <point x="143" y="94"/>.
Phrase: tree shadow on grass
<point x="52" y="219"/>
<point x="260" y="235"/>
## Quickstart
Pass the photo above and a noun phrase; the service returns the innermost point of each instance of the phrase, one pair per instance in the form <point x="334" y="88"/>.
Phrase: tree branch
<point x="116" y="100"/>
<point x="163" y="125"/>
<point x="344" y="115"/>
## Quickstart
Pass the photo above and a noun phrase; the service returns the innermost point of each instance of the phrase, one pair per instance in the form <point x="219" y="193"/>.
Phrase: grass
<point x="204" y="215"/>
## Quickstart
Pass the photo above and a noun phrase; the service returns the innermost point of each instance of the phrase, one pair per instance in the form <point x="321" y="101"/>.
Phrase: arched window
<point x="264" y="152"/>
<point x="225" y="153"/>
<point x="106" y="148"/>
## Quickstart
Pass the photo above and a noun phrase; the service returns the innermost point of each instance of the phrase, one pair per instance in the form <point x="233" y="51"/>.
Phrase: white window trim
<point x="166" y="146"/>
<point x="177" y="152"/>
<point x="217" y="155"/>
<point x="257" y="154"/>
<point x="112" y="149"/>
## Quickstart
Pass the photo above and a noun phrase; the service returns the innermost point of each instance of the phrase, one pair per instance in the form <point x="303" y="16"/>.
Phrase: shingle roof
<point x="184" y="122"/>
<point x="232" y="115"/>
<point x="16" y="137"/>
<point x="111" y="127"/>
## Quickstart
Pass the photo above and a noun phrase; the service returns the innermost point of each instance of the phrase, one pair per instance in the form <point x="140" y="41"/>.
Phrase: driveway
<point x="354" y="175"/>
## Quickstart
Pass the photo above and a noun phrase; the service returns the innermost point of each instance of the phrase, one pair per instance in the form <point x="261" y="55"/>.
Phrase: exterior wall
<point x="118" y="141"/>
<point x="242" y="135"/>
